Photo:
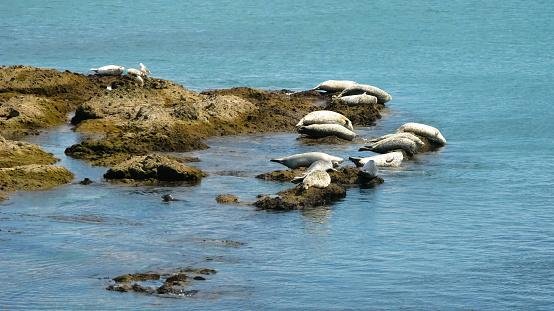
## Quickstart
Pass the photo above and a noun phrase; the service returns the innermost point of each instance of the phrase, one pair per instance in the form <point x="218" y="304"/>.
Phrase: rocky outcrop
<point x="153" y="168"/>
<point x="176" y="283"/>
<point x="33" y="98"/>
<point x="25" y="166"/>
<point x="298" y="198"/>
<point x="227" y="199"/>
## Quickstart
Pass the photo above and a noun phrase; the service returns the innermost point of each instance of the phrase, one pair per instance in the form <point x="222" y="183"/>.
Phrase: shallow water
<point x="468" y="227"/>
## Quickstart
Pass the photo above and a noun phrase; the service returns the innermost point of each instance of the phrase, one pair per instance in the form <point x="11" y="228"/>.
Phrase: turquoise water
<point x="468" y="227"/>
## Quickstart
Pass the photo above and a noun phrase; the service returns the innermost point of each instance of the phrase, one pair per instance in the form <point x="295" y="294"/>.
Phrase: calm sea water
<point x="468" y="227"/>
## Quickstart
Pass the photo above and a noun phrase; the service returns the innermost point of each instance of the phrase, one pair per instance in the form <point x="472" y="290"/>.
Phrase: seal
<point x="393" y="143"/>
<point x="316" y="179"/>
<point x="135" y="72"/>
<point x="408" y="135"/>
<point x="319" y="165"/>
<point x="306" y="159"/>
<point x="324" y="130"/>
<point x="325" y="117"/>
<point x="361" y="99"/>
<point x="333" y="86"/>
<point x="424" y="130"/>
<point x="382" y="96"/>
<point x="369" y="170"/>
<point x="391" y="159"/>
<point x="145" y="71"/>
<point x="108" y="70"/>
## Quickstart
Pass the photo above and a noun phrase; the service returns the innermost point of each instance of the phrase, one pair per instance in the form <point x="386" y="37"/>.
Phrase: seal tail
<point x="356" y="161"/>
<point x="94" y="69"/>
<point x="280" y="161"/>
<point x="366" y="148"/>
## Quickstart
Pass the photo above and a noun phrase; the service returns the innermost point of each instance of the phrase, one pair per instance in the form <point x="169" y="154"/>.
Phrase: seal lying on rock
<point x="316" y="179"/>
<point x="325" y="117"/>
<point x="427" y="131"/>
<point x="324" y="130"/>
<point x="369" y="170"/>
<point x="391" y="159"/>
<point x="408" y="135"/>
<point x="361" y="99"/>
<point x="333" y="86"/>
<point x="319" y="165"/>
<point x="381" y="95"/>
<point x="108" y="70"/>
<point x="306" y="159"/>
<point x="393" y="143"/>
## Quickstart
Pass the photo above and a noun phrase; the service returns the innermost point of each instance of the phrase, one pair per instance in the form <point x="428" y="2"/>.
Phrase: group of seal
<point x="354" y="93"/>
<point x="116" y="70"/>
<point x="409" y="139"/>
<point x="323" y="123"/>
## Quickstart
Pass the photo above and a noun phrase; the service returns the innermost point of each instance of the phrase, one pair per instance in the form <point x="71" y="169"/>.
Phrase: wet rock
<point x="298" y="198"/>
<point x="33" y="177"/>
<point x="227" y="199"/>
<point x="17" y="153"/>
<point x="168" y="198"/>
<point x="85" y="181"/>
<point x="179" y="278"/>
<point x="199" y="278"/>
<point x="281" y="175"/>
<point x="127" y="278"/>
<point x="153" y="168"/>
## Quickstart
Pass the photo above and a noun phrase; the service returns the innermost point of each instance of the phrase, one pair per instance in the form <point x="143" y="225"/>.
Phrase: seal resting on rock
<point x="324" y="130"/>
<point x="319" y="165"/>
<point x="427" y="131"/>
<point x="381" y="95"/>
<point x="108" y="70"/>
<point x="325" y="117"/>
<point x="317" y="179"/>
<point x="408" y="135"/>
<point x="306" y="159"/>
<point x="393" y="143"/>
<point x="333" y="86"/>
<point x="369" y="170"/>
<point x="391" y="159"/>
<point x="361" y="99"/>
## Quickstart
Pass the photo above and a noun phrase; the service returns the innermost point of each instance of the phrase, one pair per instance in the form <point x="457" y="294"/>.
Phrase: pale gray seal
<point x="324" y="130"/>
<point x="306" y="159"/>
<point x="408" y="135"/>
<point x="381" y="95"/>
<point x="325" y="117"/>
<point x="319" y="165"/>
<point x="361" y="99"/>
<point x="391" y="159"/>
<point x="369" y="170"/>
<point x="108" y="70"/>
<point x="333" y="86"/>
<point x="316" y="179"/>
<point x="423" y="130"/>
<point x="391" y="144"/>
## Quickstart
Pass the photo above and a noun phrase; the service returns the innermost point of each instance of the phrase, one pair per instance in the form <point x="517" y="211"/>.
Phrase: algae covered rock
<point x="226" y="199"/>
<point x="33" y="177"/>
<point x="153" y="168"/>
<point x="298" y="198"/>
<point x="15" y="153"/>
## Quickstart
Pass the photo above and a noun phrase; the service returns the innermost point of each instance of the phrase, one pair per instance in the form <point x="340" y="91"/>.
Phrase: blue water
<point x="468" y="227"/>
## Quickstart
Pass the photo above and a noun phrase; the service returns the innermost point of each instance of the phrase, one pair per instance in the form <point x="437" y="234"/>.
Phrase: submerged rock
<point x="176" y="283"/>
<point x="153" y="168"/>
<point x="227" y="199"/>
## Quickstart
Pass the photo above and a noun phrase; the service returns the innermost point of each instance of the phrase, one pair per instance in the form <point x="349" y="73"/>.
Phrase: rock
<point x="226" y="199"/>
<point x="16" y="153"/>
<point x="281" y="175"/>
<point x="179" y="277"/>
<point x="153" y="168"/>
<point x="199" y="278"/>
<point x="33" y="177"/>
<point x="127" y="278"/>
<point x="86" y="181"/>
<point x="297" y="198"/>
